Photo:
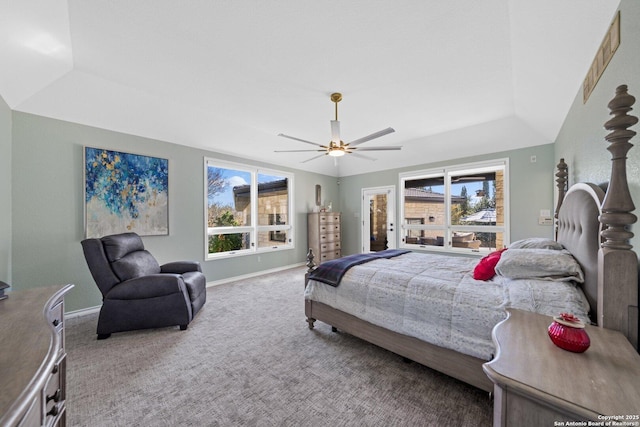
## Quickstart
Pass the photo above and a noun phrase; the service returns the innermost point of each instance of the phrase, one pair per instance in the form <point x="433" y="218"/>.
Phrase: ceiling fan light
<point x="336" y="147"/>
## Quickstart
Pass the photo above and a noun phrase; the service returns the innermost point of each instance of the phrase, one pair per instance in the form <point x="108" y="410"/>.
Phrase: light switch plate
<point x="545" y="220"/>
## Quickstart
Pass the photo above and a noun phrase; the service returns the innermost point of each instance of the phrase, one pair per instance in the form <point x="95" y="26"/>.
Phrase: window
<point x="459" y="208"/>
<point x="413" y="235"/>
<point x="248" y="210"/>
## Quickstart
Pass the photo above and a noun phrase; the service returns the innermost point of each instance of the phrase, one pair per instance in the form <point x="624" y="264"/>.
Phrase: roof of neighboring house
<point x="427" y="196"/>
<point x="486" y="215"/>
<point x="265" y="187"/>
<point x="241" y="192"/>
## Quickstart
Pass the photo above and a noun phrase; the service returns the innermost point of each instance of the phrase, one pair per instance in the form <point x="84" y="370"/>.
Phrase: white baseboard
<point x="92" y="310"/>
<point x="250" y="275"/>
<point x="82" y="312"/>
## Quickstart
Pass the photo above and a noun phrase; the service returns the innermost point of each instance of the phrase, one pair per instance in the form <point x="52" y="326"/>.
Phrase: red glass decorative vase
<point x="568" y="333"/>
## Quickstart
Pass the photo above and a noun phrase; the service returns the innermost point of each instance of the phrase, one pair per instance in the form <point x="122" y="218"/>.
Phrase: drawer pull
<point x="54" y="411"/>
<point x="56" y="396"/>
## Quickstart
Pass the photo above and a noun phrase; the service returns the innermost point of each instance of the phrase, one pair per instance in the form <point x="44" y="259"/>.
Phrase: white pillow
<point x="536" y="243"/>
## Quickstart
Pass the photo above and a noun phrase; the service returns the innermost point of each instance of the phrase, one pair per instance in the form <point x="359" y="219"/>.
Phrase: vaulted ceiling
<point x="453" y="78"/>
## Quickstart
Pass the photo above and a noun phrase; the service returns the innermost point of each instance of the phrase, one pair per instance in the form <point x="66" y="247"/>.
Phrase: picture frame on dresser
<point x="318" y="195"/>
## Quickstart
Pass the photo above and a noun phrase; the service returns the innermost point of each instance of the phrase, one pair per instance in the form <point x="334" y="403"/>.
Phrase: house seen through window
<point x="248" y="209"/>
<point x="459" y="208"/>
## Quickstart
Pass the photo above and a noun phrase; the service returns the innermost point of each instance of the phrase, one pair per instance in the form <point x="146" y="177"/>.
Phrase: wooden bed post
<point x="561" y="183"/>
<point x="617" y="282"/>
<point x="311" y="265"/>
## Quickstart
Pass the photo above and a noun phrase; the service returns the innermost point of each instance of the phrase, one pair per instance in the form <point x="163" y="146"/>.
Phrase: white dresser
<point x="324" y="237"/>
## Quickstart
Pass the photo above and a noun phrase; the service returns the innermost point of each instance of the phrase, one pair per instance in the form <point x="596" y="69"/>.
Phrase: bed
<point x="592" y="227"/>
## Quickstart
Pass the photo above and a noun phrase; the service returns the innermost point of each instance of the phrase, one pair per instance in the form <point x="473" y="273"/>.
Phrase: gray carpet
<point x="249" y="359"/>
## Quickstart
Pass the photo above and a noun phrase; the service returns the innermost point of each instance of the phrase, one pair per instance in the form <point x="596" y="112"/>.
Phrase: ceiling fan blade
<point x="313" y="158"/>
<point x="301" y="140"/>
<point x="362" y="156"/>
<point x="372" y="136"/>
<point x="384" y="148"/>
<point x="335" y="131"/>
<point x="295" y="151"/>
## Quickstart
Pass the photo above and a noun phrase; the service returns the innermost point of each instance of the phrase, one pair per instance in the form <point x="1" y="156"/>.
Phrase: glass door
<point x="378" y="219"/>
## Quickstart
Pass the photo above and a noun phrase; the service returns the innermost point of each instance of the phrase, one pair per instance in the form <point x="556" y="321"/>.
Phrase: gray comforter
<point x="435" y="298"/>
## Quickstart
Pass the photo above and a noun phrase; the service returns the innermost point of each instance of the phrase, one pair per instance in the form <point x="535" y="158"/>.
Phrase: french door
<point x="378" y="218"/>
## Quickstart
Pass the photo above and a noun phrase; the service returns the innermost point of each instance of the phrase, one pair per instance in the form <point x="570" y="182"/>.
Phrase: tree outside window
<point x="241" y="204"/>
<point x="457" y="208"/>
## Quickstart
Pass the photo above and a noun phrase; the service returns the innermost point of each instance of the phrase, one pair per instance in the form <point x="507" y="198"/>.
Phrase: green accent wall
<point x="46" y="200"/>
<point x="581" y="141"/>
<point x="5" y="192"/>
<point x="531" y="189"/>
<point x="47" y="206"/>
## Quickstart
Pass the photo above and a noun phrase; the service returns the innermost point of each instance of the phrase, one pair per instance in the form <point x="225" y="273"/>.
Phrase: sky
<point x="234" y="178"/>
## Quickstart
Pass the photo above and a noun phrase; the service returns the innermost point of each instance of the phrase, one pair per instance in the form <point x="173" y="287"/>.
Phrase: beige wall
<point x="500" y="207"/>
<point x="420" y="209"/>
<point x="272" y="204"/>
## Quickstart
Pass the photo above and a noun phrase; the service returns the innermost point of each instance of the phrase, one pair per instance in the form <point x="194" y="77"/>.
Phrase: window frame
<point x="254" y="229"/>
<point x="448" y="229"/>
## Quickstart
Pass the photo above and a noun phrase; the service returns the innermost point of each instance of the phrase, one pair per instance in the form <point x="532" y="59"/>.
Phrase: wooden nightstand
<point x="539" y="384"/>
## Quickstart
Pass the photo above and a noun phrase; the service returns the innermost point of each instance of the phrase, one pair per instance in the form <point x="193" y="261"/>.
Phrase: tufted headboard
<point x="579" y="232"/>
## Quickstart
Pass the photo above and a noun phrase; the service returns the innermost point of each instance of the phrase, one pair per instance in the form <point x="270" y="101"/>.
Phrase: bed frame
<point x="593" y="223"/>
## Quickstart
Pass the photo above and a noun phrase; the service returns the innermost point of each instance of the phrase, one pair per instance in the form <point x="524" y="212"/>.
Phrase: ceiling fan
<point x="336" y="147"/>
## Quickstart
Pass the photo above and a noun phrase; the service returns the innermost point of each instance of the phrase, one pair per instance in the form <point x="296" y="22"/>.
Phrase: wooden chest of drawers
<point x="33" y="358"/>
<point x="324" y="237"/>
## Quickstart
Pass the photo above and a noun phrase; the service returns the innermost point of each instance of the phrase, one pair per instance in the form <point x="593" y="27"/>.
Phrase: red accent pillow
<point x="485" y="269"/>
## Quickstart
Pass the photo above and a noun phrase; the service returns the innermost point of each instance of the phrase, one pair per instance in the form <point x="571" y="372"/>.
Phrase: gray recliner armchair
<point x="137" y="292"/>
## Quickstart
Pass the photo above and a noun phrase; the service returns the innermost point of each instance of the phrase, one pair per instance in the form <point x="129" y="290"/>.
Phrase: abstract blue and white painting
<point x="125" y="192"/>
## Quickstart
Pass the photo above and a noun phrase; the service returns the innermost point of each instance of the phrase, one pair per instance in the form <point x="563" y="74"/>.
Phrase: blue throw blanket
<point x="331" y="272"/>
